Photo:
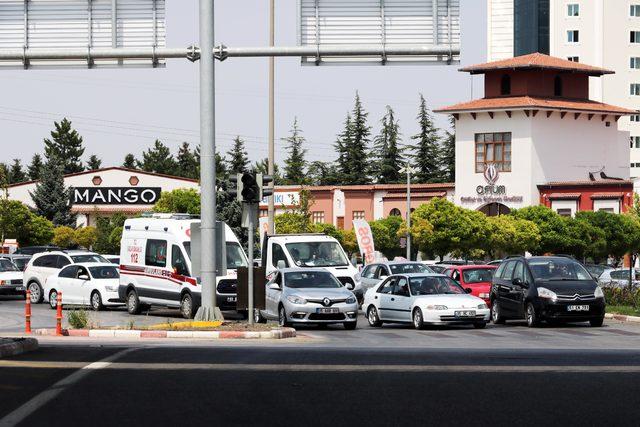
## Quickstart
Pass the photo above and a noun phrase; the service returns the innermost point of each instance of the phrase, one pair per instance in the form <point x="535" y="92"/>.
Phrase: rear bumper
<point x="13" y="290"/>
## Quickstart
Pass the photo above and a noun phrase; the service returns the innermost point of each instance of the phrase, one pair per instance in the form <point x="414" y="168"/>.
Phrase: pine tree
<point x="344" y="140"/>
<point x="355" y="143"/>
<point x="323" y="173"/>
<point x="449" y="154"/>
<point x="262" y="166"/>
<point x="427" y="153"/>
<point x="222" y="170"/>
<point x="129" y="161"/>
<point x="51" y="197"/>
<point x="16" y="174"/>
<point x="66" y="146"/>
<point x="387" y="153"/>
<point x="158" y="159"/>
<point x="238" y="158"/>
<point x="35" y="168"/>
<point x="295" y="164"/>
<point x="186" y="161"/>
<point x="94" y="163"/>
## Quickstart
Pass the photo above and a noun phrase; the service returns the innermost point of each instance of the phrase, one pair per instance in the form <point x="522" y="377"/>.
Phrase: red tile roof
<point x="601" y="182"/>
<point x="366" y="187"/>
<point x="607" y="195"/>
<point x="537" y="61"/>
<point x="564" y="196"/>
<point x="533" y="102"/>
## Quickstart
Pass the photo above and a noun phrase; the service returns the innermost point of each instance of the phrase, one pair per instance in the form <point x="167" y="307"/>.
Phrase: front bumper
<point x="226" y="302"/>
<point x="13" y="290"/>
<point x="448" y="317"/>
<point x="559" y="310"/>
<point x="308" y="313"/>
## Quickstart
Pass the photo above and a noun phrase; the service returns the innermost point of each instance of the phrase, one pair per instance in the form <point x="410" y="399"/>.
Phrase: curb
<point x="121" y="333"/>
<point x="622" y="318"/>
<point x="18" y="346"/>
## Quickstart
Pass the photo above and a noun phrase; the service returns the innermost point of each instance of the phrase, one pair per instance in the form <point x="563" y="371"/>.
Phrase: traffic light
<point x="263" y="183"/>
<point x="250" y="189"/>
<point x="235" y="188"/>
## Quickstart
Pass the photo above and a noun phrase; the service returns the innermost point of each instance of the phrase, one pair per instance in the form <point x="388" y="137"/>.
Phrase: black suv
<point x="556" y="289"/>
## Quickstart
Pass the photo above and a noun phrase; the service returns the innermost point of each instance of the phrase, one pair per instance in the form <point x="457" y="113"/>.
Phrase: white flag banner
<point x="365" y="240"/>
<point x="263" y="227"/>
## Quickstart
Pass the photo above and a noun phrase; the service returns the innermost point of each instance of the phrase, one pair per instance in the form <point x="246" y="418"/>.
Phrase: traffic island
<point x="14" y="346"/>
<point x="622" y="317"/>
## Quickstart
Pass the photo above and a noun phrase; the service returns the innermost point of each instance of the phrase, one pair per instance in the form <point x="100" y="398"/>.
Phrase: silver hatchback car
<point x="308" y="296"/>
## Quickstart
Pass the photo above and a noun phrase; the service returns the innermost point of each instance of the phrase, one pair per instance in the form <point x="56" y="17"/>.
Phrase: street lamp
<point x="408" y="170"/>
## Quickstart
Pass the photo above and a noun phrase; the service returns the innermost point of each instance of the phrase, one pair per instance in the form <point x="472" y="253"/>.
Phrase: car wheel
<point x="36" y="293"/>
<point x="133" y="302"/>
<point x="480" y="325"/>
<point x="418" y="319"/>
<point x="258" y="317"/>
<point x="282" y="317"/>
<point x="596" y="323"/>
<point x="96" y="301"/>
<point x="532" y="316"/>
<point x="186" y="306"/>
<point x="53" y="299"/>
<point x="496" y="314"/>
<point x="373" y="318"/>
<point x="350" y="326"/>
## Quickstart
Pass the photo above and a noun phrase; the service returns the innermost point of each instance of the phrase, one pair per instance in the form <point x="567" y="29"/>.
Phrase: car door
<point x="384" y="295"/>
<point x="67" y="284"/>
<point x="83" y="286"/>
<point x="504" y="288"/>
<point x="400" y="304"/>
<point x="61" y="282"/>
<point x="518" y="292"/>
<point x="368" y="279"/>
<point x="273" y="296"/>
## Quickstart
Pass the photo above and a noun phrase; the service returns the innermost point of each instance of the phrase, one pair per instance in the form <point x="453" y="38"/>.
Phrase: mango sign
<point x="365" y="239"/>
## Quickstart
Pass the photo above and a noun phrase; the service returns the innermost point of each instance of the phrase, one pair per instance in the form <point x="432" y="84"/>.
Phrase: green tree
<point x="179" y="201"/>
<point x="34" y="170"/>
<point x="262" y="166"/>
<point x="427" y="151"/>
<point x="553" y="230"/>
<point x="341" y="146"/>
<point x="86" y="237"/>
<point x="297" y="220"/>
<point x="238" y="158"/>
<point x="508" y="235"/>
<point x="14" y="218"/>
<point x="158" y="159"/>
<point x="187" y="163"/>
<point x="65" y="145"/>
<point x="51" y="197"/>
<point x="16" y="174"/>
<point x="64" y="237"/>
<point x="108" y="234"/>
<point x="622" y="232"/>
<point x="388" y="155"/>
<point x="357" y="145"/>
<point x="386" y="235"/>
<point x="448" y="154"/>
<point x="583" y="239"/>
<point x="295" y="164"/>
<point x="38" y="232"/>
<point x="94" y="163"/>
<point x="322" y="173"/>
<point x="130" y="161"/>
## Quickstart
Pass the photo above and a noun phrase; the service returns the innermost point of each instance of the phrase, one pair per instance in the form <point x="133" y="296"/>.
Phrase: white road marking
<point x="46" y="396"/>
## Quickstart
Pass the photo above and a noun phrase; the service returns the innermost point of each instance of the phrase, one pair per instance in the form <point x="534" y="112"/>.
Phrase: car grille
<point x="326" y="316"/>
<point x="576" y="297"/>
<point x="332" y="301"/>
<point x="346" y="281"/>
<point x="227" y="286"/>
<point x="16" y="282"/>
<point x="459" y="319"/>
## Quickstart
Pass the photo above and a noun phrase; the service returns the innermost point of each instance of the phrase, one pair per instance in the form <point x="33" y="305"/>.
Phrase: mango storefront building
<point x="105" y="192"/>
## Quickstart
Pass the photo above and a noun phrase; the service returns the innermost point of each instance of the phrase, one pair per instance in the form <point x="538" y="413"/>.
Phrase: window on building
<point x="557" y="86"/>
<point x="358" y="214"/>
<point x="635" y="118"/>
<point x="573" y="9"/>
<point x="505" y="85"/>
<point x="573" y="36"/>
<point x="493" y="148"/>
<point x="564" y="212"/>
<point x="635" y="10"/>
<point x="610" y="210"/>
<point x="573" y="58"/>
<point x="317" y="217"/>
<point x="634" y="36"/>
<point x="395" y="212"/>
<point x="635" y="142"/>
<point x="634" y="63"/>
<point x="635" y="89"/>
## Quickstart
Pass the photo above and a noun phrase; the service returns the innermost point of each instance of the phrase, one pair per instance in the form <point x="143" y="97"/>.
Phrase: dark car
<point x="32" y="250"/>
<point x="553" y="289"/>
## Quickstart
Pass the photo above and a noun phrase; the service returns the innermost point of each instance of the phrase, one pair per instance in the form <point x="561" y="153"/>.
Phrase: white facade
<point x="543" y="150"/>
<point x="604" y="29"/>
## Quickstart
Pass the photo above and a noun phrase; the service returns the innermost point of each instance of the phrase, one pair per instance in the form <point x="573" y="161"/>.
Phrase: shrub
<point x="622" y="296"/>
<point x="64" y="237"/>
<point x="78" y="319"/>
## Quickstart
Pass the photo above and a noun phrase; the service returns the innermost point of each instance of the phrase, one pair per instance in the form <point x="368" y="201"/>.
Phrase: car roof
<point x="92" y="264"/>
<point x="426" y="274"/>
<point x="301" y="270"/>
<point x="475" y="266"/>
<point x="70" y="252"/>
<point x="396" y="263"/>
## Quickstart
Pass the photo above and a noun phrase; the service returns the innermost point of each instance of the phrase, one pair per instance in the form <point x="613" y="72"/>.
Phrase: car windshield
<point x="434" y="285"/>
<point x="104" y="272"/>
<point x="6" y="265"/>
<point x="88" y="258"/>
<point x="478" y="275"/>
<point x="311" y="279"/>
<point x="409" y="268"/>
<point x="235" y="255"/>
<point x="21" y="263"/>
<point x="558" y="269"/>
<point x="317" y="254"/>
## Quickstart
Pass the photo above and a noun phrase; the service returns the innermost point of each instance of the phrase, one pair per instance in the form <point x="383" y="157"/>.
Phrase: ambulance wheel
<point x="186" y="306"/>
<point x="133" y="302"/>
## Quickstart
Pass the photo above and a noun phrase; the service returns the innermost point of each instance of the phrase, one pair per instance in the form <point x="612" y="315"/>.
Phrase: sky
<point x="124" y="110"/>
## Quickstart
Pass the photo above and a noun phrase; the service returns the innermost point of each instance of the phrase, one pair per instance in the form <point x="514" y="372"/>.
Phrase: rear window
<point x="409" y="268"/>
<point x="6" y="265"/>
<point x="478" y="275"/>
<point x="79" y="259"/>
<point x="104" y="272"/>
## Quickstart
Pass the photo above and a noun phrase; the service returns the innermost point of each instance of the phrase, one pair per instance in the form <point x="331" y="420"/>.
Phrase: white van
<point x="155" y="266"/>
<point x="309" y="251"/>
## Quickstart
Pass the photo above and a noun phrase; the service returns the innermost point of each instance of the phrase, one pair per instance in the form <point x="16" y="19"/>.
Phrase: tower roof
<point x="537" y="61"/>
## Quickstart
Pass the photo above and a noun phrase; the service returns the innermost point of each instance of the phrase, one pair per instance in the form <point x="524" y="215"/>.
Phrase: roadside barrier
<point x="59" y="314"/>
<point x="27" y="313"/>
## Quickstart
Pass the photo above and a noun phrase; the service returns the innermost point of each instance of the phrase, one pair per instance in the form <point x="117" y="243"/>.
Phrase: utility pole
<point x="208" y="310"/>
<point x="272" y="158"/>
<point x="408" y="170"/>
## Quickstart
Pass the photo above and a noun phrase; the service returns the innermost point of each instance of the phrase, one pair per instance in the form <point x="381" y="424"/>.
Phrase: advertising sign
<point x="115" y="195"/>
<point x="365" y="240"/>
<point x="263" y="228"/>
<point x="289" y="198"/>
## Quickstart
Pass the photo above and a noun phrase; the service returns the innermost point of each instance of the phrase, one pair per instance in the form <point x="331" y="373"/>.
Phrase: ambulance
<point x="155" y="266"/>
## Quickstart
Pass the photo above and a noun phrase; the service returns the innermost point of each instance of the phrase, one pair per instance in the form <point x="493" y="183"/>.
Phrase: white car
<point x="10" y="278"/>
<point x="45" y="264"/>
<point x="423" y="299"/>
<point x="92" y="284"/>
<point x="619" y="278"/>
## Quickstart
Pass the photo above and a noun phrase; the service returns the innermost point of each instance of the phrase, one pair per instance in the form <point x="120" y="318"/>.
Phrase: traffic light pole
<point x="252" y="229"/>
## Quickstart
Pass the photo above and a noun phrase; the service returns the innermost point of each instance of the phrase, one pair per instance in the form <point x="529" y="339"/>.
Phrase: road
<point x="390" y="376"/>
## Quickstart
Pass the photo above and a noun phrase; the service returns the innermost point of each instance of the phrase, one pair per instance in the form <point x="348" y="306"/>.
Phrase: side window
<point x="387" y="286"/>
<point x="528" y="278"/>
<point x="456" y="275"/>
<point x="508" y="270"/>
<point x="48" y="261"/>
<point x="278" y="279"/>
<point x="500" y="270"/>
<point x="368" y="271"/>
<point x="518" y="272"/>
<point x="62" y="261"/>
<point x="68" y="272"/>
<point x="620" y="274"/>
<point x="178" y="263"/>
<point x="277" y="255"/>
<point x="82" y="272"/>
<point x="402" y="287"/>
<point x="156" y="253"/>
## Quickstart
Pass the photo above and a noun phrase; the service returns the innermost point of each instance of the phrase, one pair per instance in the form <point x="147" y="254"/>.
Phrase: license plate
<point x="20" y="288"/>
<point x="327" y="310"/>
<point x="467" y="313"/>
<point x="231" y="299"/>
<point x="578" y="308"/>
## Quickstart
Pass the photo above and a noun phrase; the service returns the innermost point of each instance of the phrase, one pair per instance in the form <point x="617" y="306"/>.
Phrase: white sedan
<point x="93" y="284"/>
<point x="423" y="299"/>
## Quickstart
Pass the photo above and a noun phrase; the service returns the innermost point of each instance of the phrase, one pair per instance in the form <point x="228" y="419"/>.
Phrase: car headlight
<point x="547" y="294"/>
<point x="484" y="295"/>
<point x="357" y="277"/>
<point x="295" y="299"/>
<point x="351" y="300"/>
<point x="111" y="288"/>
<point x="4" y="282"/>
<point x="482" y="306"/>
<point x="437" y="307"/>
<point x="599" y="293"/>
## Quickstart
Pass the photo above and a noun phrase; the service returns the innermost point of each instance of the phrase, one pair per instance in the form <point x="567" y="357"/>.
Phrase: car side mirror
<point x="518" y="282"/>
<point x="281" y="264"/>
<point x="274" y="286"/>
<point x="83" y="277"/>
<point x="383" y="277"/>
<point x="468" y="290"/>
<point x="350" y="286"/>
